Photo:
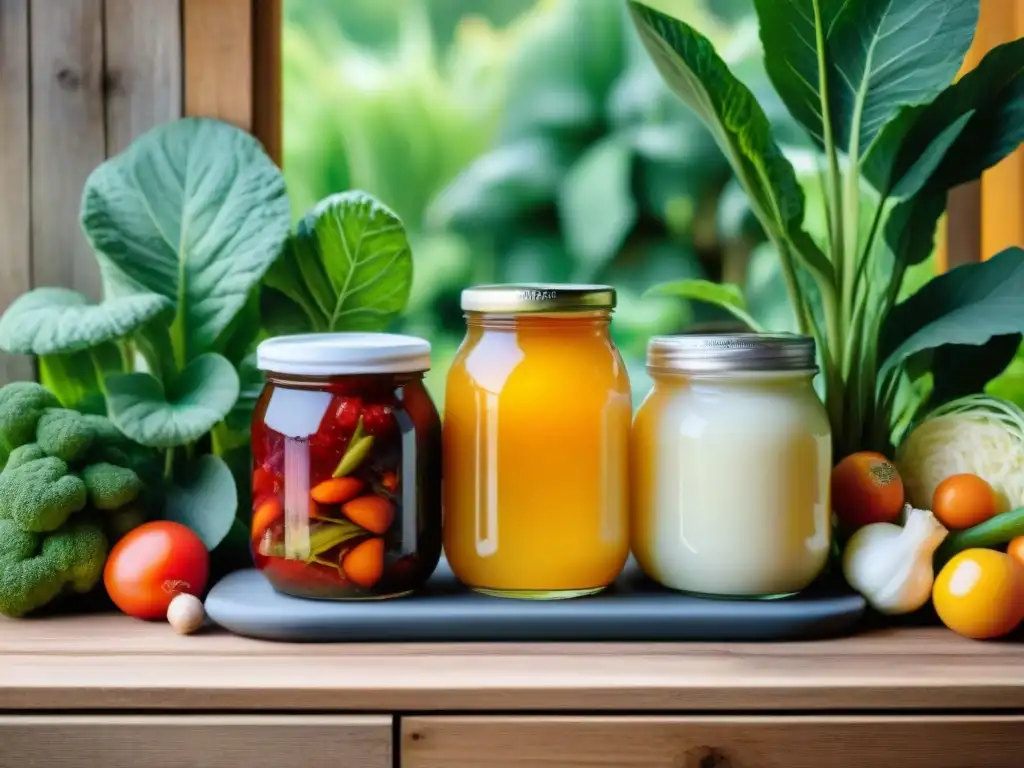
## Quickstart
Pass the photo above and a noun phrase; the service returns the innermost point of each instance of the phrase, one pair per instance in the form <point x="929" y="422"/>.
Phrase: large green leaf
<point x="203" y="497"/>
<point x="909" y="234"/>
<point x="725" y="295"/>
<point x="967" y="305"/>
<point x="153" y="416"/>
<point x="503" y="186"/>
<point x="965" y="369"/>
<point x="596" y="204"/>
<point x="900" y="172"/>
<point x="281" y="315"/>
<point x="994" y="90"/>
<point x="48" y="321"/>
<point x="988" y="106"/>
<point x="789" y="35"/>
<point x="879" y="55"/>
<point x="195" y="211"/>
<point x="348" y="266"/>
<point x="558" y="77"/>
<point x="77" y="379"/>
<point x="692" y="68"/>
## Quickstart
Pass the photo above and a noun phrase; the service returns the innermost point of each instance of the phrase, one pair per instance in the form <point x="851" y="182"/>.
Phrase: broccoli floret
<point x="64" y="434"/>
<point x="80" y="551"/>
<point x="23" y="454"/>
<point x="21" y="405"/>
<point x="110" y="486"/>
<point x="35" y="569"/>
<point x="40" y="496"/>
<point x="27" y="580"/>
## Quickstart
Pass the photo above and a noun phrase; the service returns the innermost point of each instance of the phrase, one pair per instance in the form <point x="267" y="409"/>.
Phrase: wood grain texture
<point x="68" y="137"/>
<point x="963" y="226"/>
<point x="712" y="742"/>
<point x="267" y="76"/>
<point x="15" y="173"/>
<point x="218" y="44"/>
<point x="208" y="741"/>
<point x="143" y="62"/>
<point x="112" y="662"/>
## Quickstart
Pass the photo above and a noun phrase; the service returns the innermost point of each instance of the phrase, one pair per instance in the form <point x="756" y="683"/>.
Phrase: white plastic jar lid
<point x="339" y="354"/>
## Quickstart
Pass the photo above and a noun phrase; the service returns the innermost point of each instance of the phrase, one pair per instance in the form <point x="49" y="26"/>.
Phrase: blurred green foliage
<point x="530" y="140"/>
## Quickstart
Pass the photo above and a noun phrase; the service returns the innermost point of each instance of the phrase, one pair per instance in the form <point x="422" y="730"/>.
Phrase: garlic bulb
<point x="892" y="566"/>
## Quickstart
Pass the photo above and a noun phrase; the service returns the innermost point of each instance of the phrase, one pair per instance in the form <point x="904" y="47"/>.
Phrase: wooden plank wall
<point x="80" y="79"/>
<point x="15" y="183"/>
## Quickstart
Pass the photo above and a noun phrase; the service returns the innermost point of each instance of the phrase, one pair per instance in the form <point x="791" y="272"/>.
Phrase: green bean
<point x="994" y="532"/>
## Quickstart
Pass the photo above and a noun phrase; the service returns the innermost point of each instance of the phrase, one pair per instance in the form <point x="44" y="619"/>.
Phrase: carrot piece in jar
<point x="372" y="513"/>
<point x="390" y="482"/>
<point x="363" y="565"/>
<point x="266" y="514"/>
<point x="336" y="490"/>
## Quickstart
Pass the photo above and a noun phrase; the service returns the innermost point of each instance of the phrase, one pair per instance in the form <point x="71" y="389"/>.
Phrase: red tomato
<point x="152" y="564"/>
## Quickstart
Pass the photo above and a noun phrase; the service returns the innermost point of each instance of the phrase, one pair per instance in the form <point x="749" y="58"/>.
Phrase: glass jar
<point x="537" y="418"/>
<point x="731" y="457"/>
<point x="346" y="481"/>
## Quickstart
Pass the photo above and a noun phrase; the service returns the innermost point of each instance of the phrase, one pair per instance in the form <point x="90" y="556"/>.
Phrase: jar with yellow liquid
<point x="731" y="456"/>
<point x="536" y="432"/>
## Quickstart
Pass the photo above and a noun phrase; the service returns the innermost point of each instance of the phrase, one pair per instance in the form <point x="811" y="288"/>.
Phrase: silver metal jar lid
<point x="730" y="352"/>
<point x="516" y="298"/>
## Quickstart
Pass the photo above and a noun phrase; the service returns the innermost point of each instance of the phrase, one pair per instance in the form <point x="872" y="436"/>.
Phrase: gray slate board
<point x="634" y="608"/>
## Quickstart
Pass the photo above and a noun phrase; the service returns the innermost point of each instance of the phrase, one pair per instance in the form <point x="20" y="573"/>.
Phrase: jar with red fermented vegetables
<point x="346" y="482"/>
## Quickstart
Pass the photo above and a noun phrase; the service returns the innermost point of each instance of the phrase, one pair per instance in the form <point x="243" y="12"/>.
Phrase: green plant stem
<point x="869" y="249"/>
<point x="216" y="441"/>
<point x="127" y="351"/>
<point x="832" y="354"/>
<point x="97" y="367"/>
<point x="169" y="464"/>
<point x="832" y="200"/>
<point x="803" y="319"/>
<point x="851" y="253"/>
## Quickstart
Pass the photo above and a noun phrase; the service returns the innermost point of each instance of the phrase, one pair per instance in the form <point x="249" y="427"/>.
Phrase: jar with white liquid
<point x="730" y="463"/>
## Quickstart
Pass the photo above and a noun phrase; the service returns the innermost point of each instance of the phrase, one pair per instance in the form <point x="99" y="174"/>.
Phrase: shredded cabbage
<point x="980" y="434"/>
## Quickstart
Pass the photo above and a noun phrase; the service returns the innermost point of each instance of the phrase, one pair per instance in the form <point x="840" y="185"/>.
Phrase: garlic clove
<point x="892" y="566"/>
<point x="186" y="614"/>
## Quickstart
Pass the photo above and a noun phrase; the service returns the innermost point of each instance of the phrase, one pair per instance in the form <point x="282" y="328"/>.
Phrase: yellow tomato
<point x="980" y="594"/>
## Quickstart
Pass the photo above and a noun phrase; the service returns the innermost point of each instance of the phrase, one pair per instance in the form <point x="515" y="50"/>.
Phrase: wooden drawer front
<point x="712" y="742"/>
<point x="195" y="741"/>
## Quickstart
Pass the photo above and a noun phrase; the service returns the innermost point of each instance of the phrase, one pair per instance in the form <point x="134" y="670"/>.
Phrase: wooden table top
<point x="107" y="662"/>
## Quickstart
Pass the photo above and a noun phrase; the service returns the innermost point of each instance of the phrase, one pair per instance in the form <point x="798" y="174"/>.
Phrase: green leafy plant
<point x="347" y="267"/>
<point x="600" y="174"/>
<point x="872" y="85"/>
<point x="191" y="227"/>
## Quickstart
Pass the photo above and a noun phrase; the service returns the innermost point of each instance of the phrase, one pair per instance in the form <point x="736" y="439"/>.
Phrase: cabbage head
<point x="979" y="434"/>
